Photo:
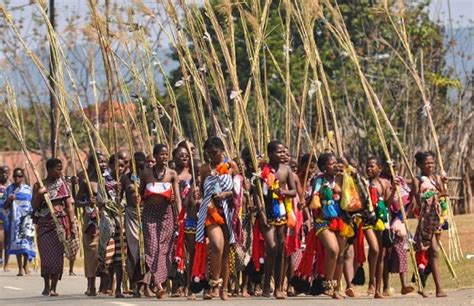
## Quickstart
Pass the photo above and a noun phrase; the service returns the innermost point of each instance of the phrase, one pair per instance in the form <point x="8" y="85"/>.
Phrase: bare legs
<point x="274" y="238"/>
<point x="50" y="284"/>
<point x="219" y="258"/>
<point x="289" y="269"/>
<point x="334" y="247"/>
<point x="22" y="261"/>
<point x="349" y="269"/>
<point x="91" y="289"/>
<point x="71" y="267"/>
<point x="376" y="256"/>
<point x="190" y="240"/>
<point x="433" y="262"/>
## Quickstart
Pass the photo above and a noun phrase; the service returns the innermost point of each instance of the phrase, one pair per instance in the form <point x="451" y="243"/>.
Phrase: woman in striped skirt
<point x="215" y="214"/>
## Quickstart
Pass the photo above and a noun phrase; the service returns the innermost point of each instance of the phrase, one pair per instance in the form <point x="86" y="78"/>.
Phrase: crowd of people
<point x="227" y="226"/>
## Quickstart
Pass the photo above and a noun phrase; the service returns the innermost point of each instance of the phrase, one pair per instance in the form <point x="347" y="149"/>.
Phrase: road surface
<point x="26" y="290"/>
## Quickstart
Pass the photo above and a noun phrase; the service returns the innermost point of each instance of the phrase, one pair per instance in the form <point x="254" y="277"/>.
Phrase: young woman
<point x="129" y="184"/>
<point x="159" y="187"/>
<point x="430" y="195"/>
<point x="191" y="205"/>
<point x="50" y="247"/>
<point x="22" y="231"/>
<point x="182" y="167"/>
<point x="327" y="188"/>
<point x="279" y="189"/>
<point x="111" y="229"/>
<point x="380" y="193"/>
<point x="215" y="214"/>
<point x="396" y="259"/>
<point x="90" y="237"/>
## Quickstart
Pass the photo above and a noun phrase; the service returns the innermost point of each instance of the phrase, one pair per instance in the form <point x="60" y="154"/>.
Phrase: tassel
<point x="317" y="287"/>
<point x="359" y="245"/>
<point x="257" y="246"/>
<point x="290" y="214"/>
<point x="198" y="274"/>
<point x="326" y="193"/>
<point x="213" y="216"/>
<point x="359" y="277"/>
<point x="320" y="257"/>
<point x="304" y="272"/>
<point x="179" y="246"/>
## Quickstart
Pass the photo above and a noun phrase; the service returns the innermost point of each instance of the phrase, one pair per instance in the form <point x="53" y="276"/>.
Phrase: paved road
<point x="26" y="290"/>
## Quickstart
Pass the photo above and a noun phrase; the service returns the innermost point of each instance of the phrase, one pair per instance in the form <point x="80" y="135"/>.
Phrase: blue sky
<point x="462" y="12"/>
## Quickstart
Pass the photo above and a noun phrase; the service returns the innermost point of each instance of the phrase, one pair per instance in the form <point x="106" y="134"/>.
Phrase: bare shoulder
<point x="172" y="173"/>
<point x="234" y="167"/>
<point x="385" y="182"/>
<point x="205" y="170"/>
<point x="146" y="173"/>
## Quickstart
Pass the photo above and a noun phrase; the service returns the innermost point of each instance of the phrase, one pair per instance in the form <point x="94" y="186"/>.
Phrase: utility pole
<point x="54" y="118"/>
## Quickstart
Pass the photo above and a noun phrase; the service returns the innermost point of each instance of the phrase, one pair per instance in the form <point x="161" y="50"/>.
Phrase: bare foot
<point x="27" y="271"/>
<point x="378" y="296"/>
<point x="441" y="294"/>
<point x="53" y="293"/>
<point x="423" y="294"/>
<point x="407" y="290"/>
<point x="223" y="295"/>
<point x="266" y="293"/>
<point x="215" y="292"/>
<point x="207" y="295"/>
<point x="350" y="292"/>
<point x="290" y="292"/>
<point x="279" y="295"/>
<point x="147" y="291"/>
<point x="245" y="294"/>
<point x="191" y="297"/>
<point x="337" y="296"/>
<point x="371" y="290"/>
<point x="160" y="293"/>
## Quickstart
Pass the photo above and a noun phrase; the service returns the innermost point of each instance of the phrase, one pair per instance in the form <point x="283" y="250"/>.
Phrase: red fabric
<point x="200" y="261"/>
<point x="257" y="245"/>
<point x="292" y="240"/>
<point x="305" y="268"/>
<point x="359" y="245"/>
<point x="421" y="258"/>
<point x="179" y="246"/>
<point x="320" y="257"/>
<point x="336" y="224"/>
<point x="374" y="196"/>
<point x="237" y="200"/>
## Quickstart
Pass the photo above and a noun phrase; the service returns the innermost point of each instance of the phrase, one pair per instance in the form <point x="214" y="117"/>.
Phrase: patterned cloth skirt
<point x="397" y="257"/>
<point x="158" y="229"/>
<point x="50" y="248"/>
